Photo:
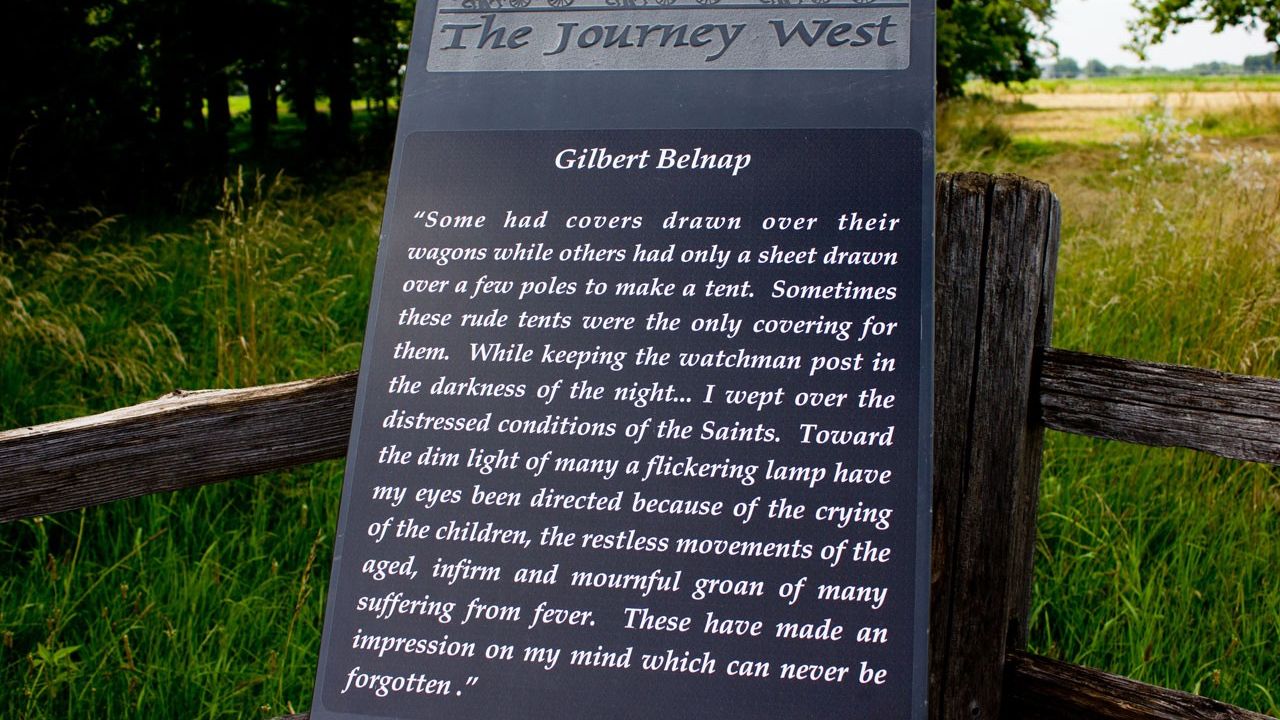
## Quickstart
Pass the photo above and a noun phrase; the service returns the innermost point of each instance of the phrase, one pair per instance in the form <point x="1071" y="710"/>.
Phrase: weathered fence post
<point x="997" y="241"/>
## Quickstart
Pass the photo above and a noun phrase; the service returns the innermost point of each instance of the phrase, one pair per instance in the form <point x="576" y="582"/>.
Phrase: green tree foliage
<point x="120" y="102"/>
<point x="1096" y="68"/>
<point x="1066" y="67"/>
<point x="74" y="91"/>
<point x="992" y="39"/>
<point x="1259" y="64"/>
<point x="1161" y="17"/>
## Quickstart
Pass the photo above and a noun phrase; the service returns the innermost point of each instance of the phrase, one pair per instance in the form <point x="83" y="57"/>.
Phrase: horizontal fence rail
<point x="1037" y="687"/>
<point x="188" y="439"/>
<point x="181" y="440"/>
<point x="1235" y="416"/>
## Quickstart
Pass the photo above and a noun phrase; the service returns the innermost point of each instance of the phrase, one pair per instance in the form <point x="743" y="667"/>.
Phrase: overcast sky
<point x="1087" y="29"/>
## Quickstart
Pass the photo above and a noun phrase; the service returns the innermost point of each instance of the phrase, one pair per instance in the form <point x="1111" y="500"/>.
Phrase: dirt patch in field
<point x="1106" y="117"/>
<point x="1184" y="101"/>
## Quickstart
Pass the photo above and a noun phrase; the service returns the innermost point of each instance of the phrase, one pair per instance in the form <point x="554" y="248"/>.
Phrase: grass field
<point x="1163" y="565"/>
<point x="1141" y="84"/>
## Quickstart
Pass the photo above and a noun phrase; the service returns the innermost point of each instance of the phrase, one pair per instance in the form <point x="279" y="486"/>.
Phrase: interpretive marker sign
<point x="643" y="423"/>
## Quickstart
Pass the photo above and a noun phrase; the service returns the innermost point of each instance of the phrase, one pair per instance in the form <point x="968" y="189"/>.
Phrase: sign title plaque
<point x="643" y="426"/>
<point x="477" y="36"/>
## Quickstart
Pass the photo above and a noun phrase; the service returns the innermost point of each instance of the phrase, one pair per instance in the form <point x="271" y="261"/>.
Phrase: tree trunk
<point x="170" y="102"/>
<point x="195" y="109"/>
<point x="273" y="104"/>
<point x="304" y="104"/>
<point x="219" y="122"/>
<point x="340" y="86"/>
<point x="259" y="82"/>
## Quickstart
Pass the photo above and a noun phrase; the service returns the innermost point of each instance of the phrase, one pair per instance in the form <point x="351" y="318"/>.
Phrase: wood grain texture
<point x="959" y="230"/>
<point x="1042" y="689"/>
<point x="178" y="441"/>
<point x="994" y="241"/>
<point x="1026" y="507"/>
<point x="1233" y="416"/>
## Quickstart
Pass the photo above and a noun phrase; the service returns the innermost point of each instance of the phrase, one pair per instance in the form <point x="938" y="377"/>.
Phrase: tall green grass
<point x="1248" y="120"/>
<point x="1164" y="564"/>
<point x="78" y="323"/>
<point x="204" y="603"/>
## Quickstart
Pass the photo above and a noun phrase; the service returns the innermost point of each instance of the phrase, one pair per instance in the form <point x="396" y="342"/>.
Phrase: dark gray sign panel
<point x="644" y="415"/>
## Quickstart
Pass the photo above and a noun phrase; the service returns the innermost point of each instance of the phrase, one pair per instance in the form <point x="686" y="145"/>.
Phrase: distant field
<point x="1185" y="100"/>
<point x="1105" y="110"/>
<point x="1155" y="84"/>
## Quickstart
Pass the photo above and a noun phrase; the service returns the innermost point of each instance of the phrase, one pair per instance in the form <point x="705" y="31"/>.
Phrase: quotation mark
<point x="471" y="681"/>
<point x="420" y="214"/>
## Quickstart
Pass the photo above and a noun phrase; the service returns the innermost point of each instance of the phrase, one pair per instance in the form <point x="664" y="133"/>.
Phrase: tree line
<point x="121" y="101"/>
<point x="125" y="97"/>
<point x="1069" y="67"/>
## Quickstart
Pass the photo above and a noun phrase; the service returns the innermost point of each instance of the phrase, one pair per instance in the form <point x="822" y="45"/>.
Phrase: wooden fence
<point x="999" y="384"/>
